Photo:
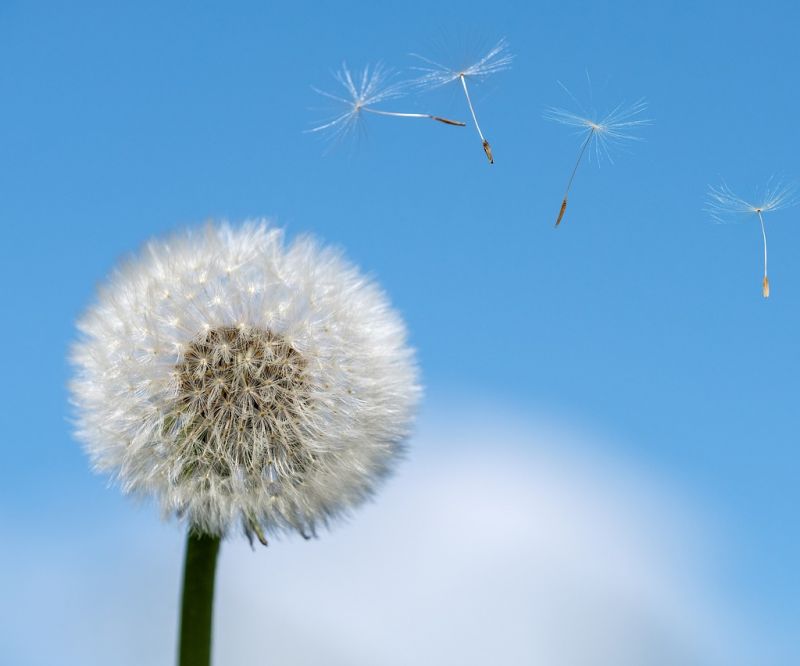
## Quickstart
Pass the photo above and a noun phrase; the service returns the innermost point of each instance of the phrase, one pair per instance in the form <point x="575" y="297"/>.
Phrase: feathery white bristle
<point x="723" y="204"/>
<point x="362" y="95"/>
<point x="434" y="74"/>
<point x="362" y="91"/>
<point x="604" y="131"/>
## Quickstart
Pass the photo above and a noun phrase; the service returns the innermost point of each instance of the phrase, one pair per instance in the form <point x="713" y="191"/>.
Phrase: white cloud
<point x="499" y="546"/>
<point x="498" y="543"/>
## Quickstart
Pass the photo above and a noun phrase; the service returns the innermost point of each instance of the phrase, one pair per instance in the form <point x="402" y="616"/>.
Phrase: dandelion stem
<point x="765" y="284"/>
<point x="198" y="598"/>
<point x="397" y="114"/>
<point x="572" y="176"/>
<point x="486" y="147"/>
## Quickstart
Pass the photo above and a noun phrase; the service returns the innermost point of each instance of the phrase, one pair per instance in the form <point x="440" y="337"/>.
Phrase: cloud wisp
<point x="497" y="543"/>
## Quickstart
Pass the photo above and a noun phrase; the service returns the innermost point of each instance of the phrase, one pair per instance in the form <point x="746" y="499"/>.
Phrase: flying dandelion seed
<point x="601" y="133"/>
<point x="723" y="205"/>
<point x="435" y="75"/>
<point x="363" y="92"/>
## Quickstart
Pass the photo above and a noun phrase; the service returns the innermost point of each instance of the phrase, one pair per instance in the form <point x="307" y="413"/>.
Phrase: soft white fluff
<point x="239" y="379"/>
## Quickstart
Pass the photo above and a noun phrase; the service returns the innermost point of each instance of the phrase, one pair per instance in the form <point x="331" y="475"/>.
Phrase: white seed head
<point x="237" y="379"/>
<point x="724" y="205"/>
<point x="434" y="74"/>
<point x="605" y="129"/>
<point x="362" y="91"/>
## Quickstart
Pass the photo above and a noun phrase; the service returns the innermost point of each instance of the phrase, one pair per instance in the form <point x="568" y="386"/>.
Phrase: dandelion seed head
<point x="605" y="130"/>
<point x="241" y="380"/>
<point x="434" y="74"/>
<point x="724" y="205"/>
<point x="371" y="86"/>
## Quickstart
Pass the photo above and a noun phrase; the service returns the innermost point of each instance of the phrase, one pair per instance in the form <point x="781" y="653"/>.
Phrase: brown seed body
<point x="447" y="121"/>
<point x="488" y="150"/>
<point x="562" y="211"/>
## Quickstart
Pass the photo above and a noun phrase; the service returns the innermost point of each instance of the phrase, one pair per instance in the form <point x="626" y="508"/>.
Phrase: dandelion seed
<point x="724" y="205"/>
<point x="435" y="75"/>
<point x="602" y="132"/>
<point x="273" y="389"/>
<point x="362" y="94"/>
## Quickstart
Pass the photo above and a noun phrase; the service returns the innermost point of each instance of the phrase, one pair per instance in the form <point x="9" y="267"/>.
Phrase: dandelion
<point x="601" y="132"/>
<point x="435" y="75"/>
<point x="723" y="204"/>
<point x="362" y="93"/>
<point x="239" y="380"/>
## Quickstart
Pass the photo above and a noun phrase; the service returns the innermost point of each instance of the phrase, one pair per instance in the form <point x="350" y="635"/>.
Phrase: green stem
<point x="198" y="599"/>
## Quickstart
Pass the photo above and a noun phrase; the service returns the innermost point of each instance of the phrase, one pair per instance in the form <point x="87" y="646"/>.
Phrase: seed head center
<point x="242" y="394"/>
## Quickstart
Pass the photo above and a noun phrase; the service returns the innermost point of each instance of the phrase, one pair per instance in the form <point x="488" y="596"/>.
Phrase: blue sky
<point x="639" y="319"/>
